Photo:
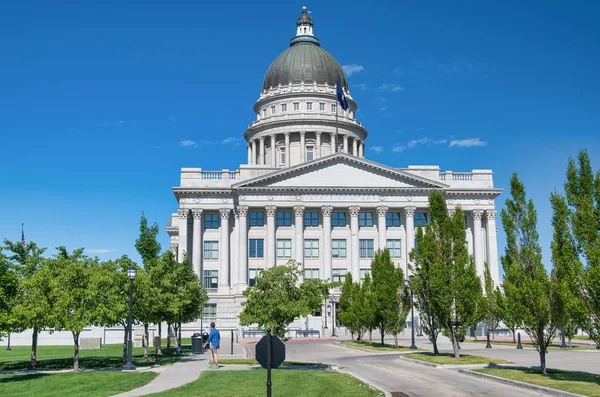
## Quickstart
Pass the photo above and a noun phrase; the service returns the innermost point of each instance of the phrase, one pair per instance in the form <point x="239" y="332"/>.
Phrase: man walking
<point x="213" y="338"/>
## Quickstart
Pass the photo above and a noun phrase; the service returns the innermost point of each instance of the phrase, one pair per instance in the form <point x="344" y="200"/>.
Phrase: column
<point x="477" y="246"/>
<point x="249" y="153"/>
<point x="326" y="211"/>
<point x="302" y="146"/>
<point x="299" y="233"/>
<point x="224" y="249"/>
<point x="381" y="227"/>
<point x="333" y="142"/>
<point x="243" y="246"/>
<point x="273" y="151"/>
<point x="183" y="234"/>
<point x="492" y="245"/>
<point x="261" y="153"/>
<point x="345" y="143"/>
<point x="318" y="134"/>
<point x="287" y="149"/>
<point x="254" y="151"/>
<point x="234" y="246"/>
<point x="409" y="212"/>
<point x="361" y="150"/>
<point x="271" y="210"/>
<point x="354" y="243"/>
<point x="355" y="147"/>
<point x="197" y="242"/>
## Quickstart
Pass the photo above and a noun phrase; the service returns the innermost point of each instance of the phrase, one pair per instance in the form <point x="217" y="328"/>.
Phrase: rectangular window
<point x="296" y="106"/>
<point x="264" y="112"/>
<point x="252" y="273"/>
<point x="322" y="107"/>
<point x="338" y="219"/>
<point x="333" y="108"/>
<point x="311" y="273"/>
<point x="466" y="222"/>
<point x="257" y="218"/>
<point x="284" y="248"/>
<point x="338" y="275"/>
<point x="394" y="247"/>
<point x="211" y="250"/>
<point x="311" y="219"/>
<point x="310" y="153"/>
<point x="272" y="109"/>
<point x="420" y="219"/>
<point x="210" y="310"/>
<point x="282" y="151"/>
<point x="338" y="248"/>
<point x="256" y="248"/>
<point x="211" y="221"/>
<point x="392" y="219"/>
<point x="365" y="219"/>
<point x="284" y="218"/>
<point x="363" y="273"/>
<point x="311" y="248"/>
<point x="283" y="107"/>
<point x="366" y="248"/>
<point x="211" y="279"/>
<point x="308" y="105"/>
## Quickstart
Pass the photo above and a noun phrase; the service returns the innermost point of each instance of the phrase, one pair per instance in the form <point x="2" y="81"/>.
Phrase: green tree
<point x="348" y="305"/>
<point x="366" y="311"/>
<point x="527" y="285"/>
<point x="147" y="245"/>
<point x="490" y="302"/>
<point x="509" y="315"/>
<point x="8" y="295"/>
<point x="277" y="298"/>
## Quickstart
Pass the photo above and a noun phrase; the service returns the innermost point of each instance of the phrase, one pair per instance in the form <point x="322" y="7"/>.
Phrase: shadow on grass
<point x="567" y="376"/>
<point x="20" y="378"/>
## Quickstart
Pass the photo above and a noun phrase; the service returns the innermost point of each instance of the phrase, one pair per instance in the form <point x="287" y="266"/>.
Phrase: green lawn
<point x="251" y="361"/>
<point x="376" y="346"/>
<point x="289" y="383"/>
<point x="89" y="384"/>
<point x="60" y="357"/>
<point x="570" y="381"/>
<point x="447" y="358"/>
<point x="553" y="346"/>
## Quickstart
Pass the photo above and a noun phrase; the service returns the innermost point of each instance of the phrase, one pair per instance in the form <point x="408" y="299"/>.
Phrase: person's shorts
<point x="213" y="349"/>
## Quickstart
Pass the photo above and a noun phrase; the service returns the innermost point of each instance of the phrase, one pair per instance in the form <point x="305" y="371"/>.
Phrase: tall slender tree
<point x="490" y="302"/>
<point x="367" y="313"/>
<point x="349" y="305"/>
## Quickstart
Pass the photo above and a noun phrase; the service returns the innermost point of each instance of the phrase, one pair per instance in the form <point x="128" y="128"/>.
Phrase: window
<point x="311" y="219"/>
<point x="311" y="248"/>
<point x="365" y="219"/>
<point x="322" y="107"/>
<point x="211" y="279"/>
<point x="392" y="219"/>
<point x="310" y="153"/>
<point x="257" y="218"/>
<point x="256" y="248"/>
<point x="311" y="273"/>
<point x="338" y="219"/>
<point x="210" y="310"/>
<point x="282" y="151"/>
<point x="394" y="247"/>
<point x="284" y="218"/>
<point x="211" y="221"/>
<point x="272" y="109"/>
<point x="338" y="275"/>
<point x="466" y="222"/>
<point x="264" y="112"/>
<point x="420" y="219"/>
<point x="363" y="273"/>
<point x="366" y="248"/>
<point x="211" y="250"/>
<point x="333" y="108"/>
<point x="308" y="105"/>
<point x="252" y="273"/>
<point x="338" y="248"/>
<point x="284" y="248"/>
<point x="296" y="106"/>
<point x="283" y="107"/>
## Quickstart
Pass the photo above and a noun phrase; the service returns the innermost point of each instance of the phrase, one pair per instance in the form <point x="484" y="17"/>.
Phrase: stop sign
<point x="277" y="351"/>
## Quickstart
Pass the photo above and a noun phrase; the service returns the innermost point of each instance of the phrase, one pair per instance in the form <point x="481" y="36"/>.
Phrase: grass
<point x="61" y="357"/>
<point x="89" y="384"/>
<point x="375" y="346"/>
<point x="570" y="381"/>
<point x="553" y="346"/>
<point x="447" y="358"/>
<point x="251" y="361"/>
<point x="289" y="383"/>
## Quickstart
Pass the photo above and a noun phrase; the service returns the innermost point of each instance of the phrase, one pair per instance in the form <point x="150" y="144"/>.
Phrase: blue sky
<point x="95" y="99"/>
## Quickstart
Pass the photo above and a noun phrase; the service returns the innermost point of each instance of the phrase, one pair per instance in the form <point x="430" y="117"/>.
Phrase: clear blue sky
<point x="96" y="98"/>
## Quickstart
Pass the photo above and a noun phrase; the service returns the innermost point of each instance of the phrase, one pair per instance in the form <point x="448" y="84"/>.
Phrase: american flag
<point x="22" y="236"/>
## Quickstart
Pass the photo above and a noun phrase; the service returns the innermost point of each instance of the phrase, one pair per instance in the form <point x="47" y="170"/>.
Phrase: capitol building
<point x="307" y="192"/>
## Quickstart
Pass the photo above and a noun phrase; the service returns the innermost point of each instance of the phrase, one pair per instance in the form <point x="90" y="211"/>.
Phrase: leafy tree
<point x="509" y="315"/>
<point x="527" y="285"/>
<point x="490" y="302"/>
<point x="8" y="294"/>
<point x="348" y="305"/>
<point x="276" y="299"/>
<point x="146" y="244"/>
<point x="367" y="313"/>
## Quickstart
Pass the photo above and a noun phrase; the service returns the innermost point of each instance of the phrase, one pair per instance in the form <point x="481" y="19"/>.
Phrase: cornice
<point x="259" y="127"/>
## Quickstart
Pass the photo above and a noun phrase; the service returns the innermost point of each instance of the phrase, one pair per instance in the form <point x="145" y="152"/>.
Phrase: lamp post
<point x="412" y="315"/>
<point x="131" y="275"/>
<point x="327" y="312"/>
<point x="333" y="301"/>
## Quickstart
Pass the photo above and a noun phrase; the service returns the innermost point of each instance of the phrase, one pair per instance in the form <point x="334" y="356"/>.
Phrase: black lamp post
<point x="131" y="275"/>
<point x="412" y="314"/>
<point x="327" y="312"/>
<point x="333" y="301"/>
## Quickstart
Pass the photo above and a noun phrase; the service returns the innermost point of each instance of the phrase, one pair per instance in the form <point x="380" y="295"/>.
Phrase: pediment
<point x="341" y="170"/>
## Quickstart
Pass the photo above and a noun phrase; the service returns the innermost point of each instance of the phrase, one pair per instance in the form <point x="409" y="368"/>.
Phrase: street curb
<point x="522" y="385"/>
<point x="371" y="384"/>
<point x="361" y="349"/>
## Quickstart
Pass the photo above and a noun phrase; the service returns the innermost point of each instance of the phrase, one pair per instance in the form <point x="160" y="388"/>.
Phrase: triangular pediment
<point x="341" y="170"/>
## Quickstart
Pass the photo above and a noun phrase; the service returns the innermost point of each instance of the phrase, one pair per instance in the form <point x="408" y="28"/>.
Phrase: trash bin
<point x="205" y="337"/>
<point x="197" y="341"/>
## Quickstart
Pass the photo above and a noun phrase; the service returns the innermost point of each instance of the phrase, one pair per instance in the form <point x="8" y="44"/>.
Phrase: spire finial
<point x="304" y="29"/>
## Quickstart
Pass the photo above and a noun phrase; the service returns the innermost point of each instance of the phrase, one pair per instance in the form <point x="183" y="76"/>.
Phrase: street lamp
<point x="333" y="301"/>
<point x="412" y="314"/>
<point x="327" y="313"/>
<point x="131" y="275"/>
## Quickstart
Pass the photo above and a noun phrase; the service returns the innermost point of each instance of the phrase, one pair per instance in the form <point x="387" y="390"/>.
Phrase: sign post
<point x="270" y="353"/>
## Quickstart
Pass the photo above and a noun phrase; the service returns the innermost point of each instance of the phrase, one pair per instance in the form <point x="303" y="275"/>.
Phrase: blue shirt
<point x="214" y="337"/>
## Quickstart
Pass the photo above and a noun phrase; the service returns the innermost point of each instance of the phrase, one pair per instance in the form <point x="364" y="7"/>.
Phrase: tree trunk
<point x="34" y="339"/>
<point x="146" y="341"/>
<point x="126" y="328"/>
<point x="514" y="335"/>
<point x="454" y="341"/>
<point x="435" y="348"/>
<point x="494" y="334"/>
<point x="475" y="331"/>
<point x="76" y="353"/>
<point x="168" y="335"/>
<point x="570" y="339"/>
<point x="382" y="335"/>
<point x="370" y="336"/>
<point x="179" y="338"/>
<point x="543" y="360"/>
<point x="396" y="340"/>
<point x="158" y="351"/>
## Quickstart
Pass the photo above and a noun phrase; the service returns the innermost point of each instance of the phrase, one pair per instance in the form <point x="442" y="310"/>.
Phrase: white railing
<point x="442" y="176"/>
<point x="212" y="175"/>
<point x="233" y="175"/>
<point x="462" y="176"/>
